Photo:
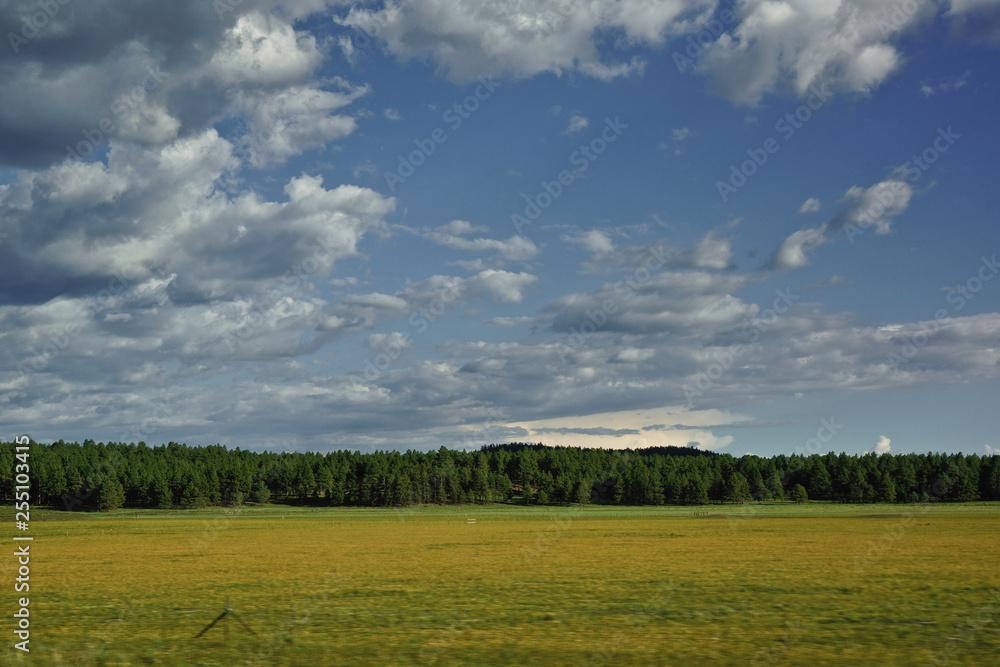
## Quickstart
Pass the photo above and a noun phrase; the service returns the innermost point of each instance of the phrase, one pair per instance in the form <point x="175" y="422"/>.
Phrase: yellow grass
<point x="563" y="586"/>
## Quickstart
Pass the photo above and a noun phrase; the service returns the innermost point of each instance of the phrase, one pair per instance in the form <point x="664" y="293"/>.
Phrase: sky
<point x="763" y="227"/>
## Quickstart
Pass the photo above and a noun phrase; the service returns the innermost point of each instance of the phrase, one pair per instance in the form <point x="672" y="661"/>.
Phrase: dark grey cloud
<point x="141" y="71"/>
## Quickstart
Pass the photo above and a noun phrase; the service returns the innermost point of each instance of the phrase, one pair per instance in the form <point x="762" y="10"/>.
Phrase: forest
<point x="105" y="476"/>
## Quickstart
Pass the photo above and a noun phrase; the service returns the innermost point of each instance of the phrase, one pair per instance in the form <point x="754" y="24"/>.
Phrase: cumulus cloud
<point x="284" y="124"/>
<point x="833" y="45"/>
<point x="882" y="445"/>
<point x="162" y="224"/>
<point x="137" y="281"/>
<point x="264" y="49"/>
<point x="467" y="39"/>
<point x="502" y="286"/>
<point x="150" y="78"/>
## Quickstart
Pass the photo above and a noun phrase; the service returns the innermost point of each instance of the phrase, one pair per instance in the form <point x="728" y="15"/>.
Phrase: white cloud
<point x="709" y="253"/>
<point x="882" y="445"/>
<point x="835" y="45"/>
<point x="287" y="122"/>
<point x="992" y="451"/>
<point x="863" y="209"/>
<point x="627" y="429"/>
<point x="263" y="49"/>
<point x="875" y="206"/>
<point x="810" y="205"/>
<point x="391" y="114"/>
<point x="460" y="227"/>
<point x="669" y="302"/>
<point x="367" y="168"/>
<point x="502" y="286"/>
<point x="594" y="241"/>
<point x="250" y="64"/>
<point x="946" y="85"/>
<point x="632" y="355"/>
<point x="163" y="224"/>
<point x="576" y="123"/>
<point x="792" y="253"/>
<point x="467" y="39"/>
<point x="452" y="235"/>
<point x="396" y="341"/>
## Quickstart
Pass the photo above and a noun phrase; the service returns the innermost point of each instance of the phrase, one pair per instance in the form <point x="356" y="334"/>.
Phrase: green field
<point x="763" y="585"/>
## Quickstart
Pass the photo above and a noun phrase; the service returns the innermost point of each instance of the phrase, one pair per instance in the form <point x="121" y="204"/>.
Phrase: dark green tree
<point x="799" y="494"/>
<point x="695" y="490"/>
<point x="737" y="489"/>
<point x="885" y="491"/>
<point x="260" y="493"/>
<point x="111" y="495"/>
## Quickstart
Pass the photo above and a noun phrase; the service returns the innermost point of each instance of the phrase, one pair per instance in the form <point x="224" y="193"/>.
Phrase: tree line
<point x="111" y="475"/>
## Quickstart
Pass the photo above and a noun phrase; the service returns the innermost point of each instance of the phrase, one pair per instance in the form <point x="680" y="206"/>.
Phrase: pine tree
<point x="111" y="496"/>
<point x="799" y="493"/>
<point x="260" y="494"/>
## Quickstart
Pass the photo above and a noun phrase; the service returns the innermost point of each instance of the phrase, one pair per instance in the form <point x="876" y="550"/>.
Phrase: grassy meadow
<point x="761" y="585"/>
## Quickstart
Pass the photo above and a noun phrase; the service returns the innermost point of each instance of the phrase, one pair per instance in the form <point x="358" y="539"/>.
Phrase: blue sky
<point x="310" y="225"/>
